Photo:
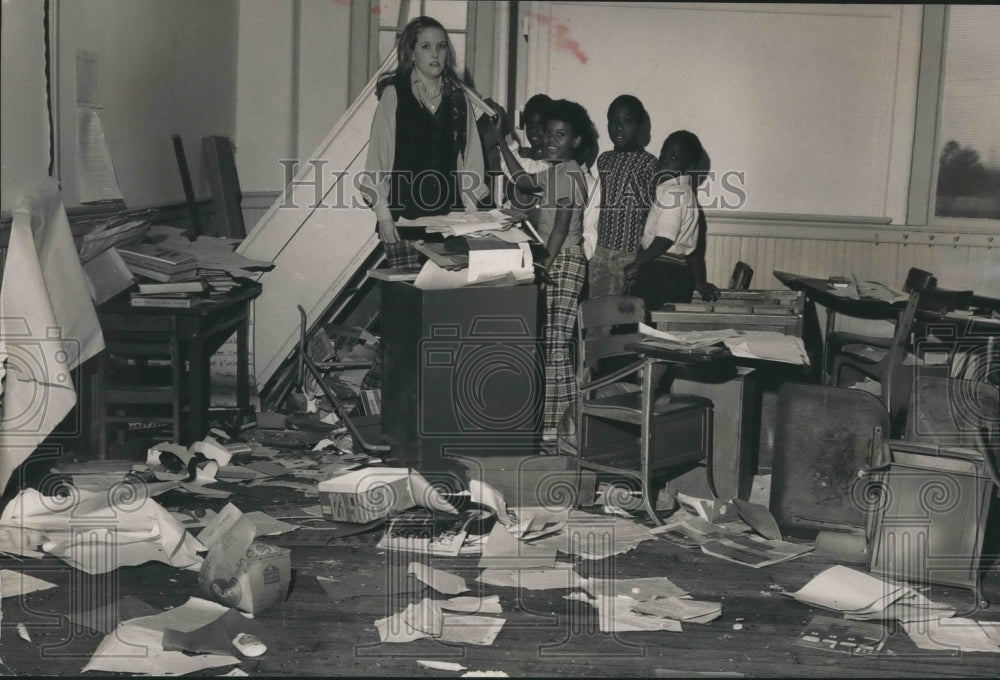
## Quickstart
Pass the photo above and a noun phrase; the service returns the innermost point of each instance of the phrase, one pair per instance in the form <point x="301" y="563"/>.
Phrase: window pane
<point x="969" y="130"/>
<point x="386" y="44"/>
<point x="388" y="12"/>
<point x="458" y="40"/>
<point x="452" y="15"/>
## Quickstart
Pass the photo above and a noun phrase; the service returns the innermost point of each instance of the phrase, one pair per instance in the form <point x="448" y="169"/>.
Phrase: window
<point x="455" y="16"/>
<point x="955" y="176"/>
<point x="968" y="138"/>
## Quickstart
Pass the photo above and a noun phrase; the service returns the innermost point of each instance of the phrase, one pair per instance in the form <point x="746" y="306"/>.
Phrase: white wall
<point x="292" y="83"/>
<point x="814" y="103"/>
<point x="24" y="132"/>
<point x="165" y="67"/>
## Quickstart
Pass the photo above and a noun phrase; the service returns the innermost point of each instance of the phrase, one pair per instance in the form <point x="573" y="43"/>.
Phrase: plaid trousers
<point x="568" y="273"/>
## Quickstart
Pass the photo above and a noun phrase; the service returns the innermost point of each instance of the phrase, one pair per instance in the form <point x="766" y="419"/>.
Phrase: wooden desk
<point x="959" y="332"/>
<point x="190" y="337"/>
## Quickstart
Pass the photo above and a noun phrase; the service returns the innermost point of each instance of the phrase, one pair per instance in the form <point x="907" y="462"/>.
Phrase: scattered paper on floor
<point x="16" y="583"/>
<point x="439" y="580"/>
<point x="470" y="630"/>
<point x="99" y="532"/>
<point x="955" y="635"/>
<point x="532" y="579"/>
<point x="471" y="604"/>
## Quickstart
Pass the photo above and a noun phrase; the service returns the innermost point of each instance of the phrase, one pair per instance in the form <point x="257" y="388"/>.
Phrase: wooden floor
<point x="545" y="634"/>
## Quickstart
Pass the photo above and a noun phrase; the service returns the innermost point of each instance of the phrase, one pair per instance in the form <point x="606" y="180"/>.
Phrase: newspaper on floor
<point x="742" y="548"/>
<point x="594" y="537"/>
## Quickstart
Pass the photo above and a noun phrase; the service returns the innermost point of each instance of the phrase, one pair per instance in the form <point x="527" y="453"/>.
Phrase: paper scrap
<point x="680" y="609"/>
<point x="844" y="589"/>
<point x="137" y="650"/>
<point x="473" y="604"/>
<point x="439" y="580"/>
<point x="640" y="589"/>
<point x="441" y="665"/>
<point x="955" y="634"/>
<point x="470" y="630"/>
<point x="127" y="528"/>
<point x="532" y="579"/>
<point x="17" y="583"/>
<point x="502" y="550"/>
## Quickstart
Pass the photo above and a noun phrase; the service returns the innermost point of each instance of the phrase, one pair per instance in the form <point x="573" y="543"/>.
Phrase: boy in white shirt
<point x="675" y="232"/>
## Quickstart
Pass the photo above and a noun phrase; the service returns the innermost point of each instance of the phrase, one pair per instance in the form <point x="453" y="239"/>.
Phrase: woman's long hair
<point x="451" y="84"/>
<point x="578" y="119"/>
<point x="405" y="46"/>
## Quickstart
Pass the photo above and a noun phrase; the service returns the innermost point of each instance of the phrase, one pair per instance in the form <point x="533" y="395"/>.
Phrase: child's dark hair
<point x="691" y="147"/>
<point x="405" y="45"/>
<point x="577" y="118"/>
<point x="634" y="106"/>
<point x="536" y="105"/>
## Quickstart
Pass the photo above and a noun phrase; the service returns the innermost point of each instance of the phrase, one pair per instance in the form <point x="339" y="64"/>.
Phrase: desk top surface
<point x="119" y="305"/>
<point x="821" y="290"/>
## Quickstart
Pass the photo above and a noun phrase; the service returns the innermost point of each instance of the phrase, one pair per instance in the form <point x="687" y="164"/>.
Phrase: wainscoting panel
<point x="956" y="267"/>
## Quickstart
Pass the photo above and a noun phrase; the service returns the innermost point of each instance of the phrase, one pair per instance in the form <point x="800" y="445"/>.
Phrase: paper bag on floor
<point x="244" y="573"/>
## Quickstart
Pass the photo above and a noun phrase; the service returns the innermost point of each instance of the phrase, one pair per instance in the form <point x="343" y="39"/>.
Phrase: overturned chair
<point x="625" y="426"/>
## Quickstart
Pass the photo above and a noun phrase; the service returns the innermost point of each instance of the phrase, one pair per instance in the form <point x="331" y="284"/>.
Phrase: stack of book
<point x="159" y="263"/>
<point x="176" y="294"/>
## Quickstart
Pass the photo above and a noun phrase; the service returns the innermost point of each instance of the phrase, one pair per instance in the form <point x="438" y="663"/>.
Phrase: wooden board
<point x="318" y="233"/>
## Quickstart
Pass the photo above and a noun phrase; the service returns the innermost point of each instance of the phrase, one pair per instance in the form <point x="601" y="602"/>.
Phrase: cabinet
<point x="463" y="371"/>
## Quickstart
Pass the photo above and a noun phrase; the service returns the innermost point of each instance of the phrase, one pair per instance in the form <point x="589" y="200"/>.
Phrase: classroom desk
<point x="192" y="336"/>
<point x="937" y="331"/>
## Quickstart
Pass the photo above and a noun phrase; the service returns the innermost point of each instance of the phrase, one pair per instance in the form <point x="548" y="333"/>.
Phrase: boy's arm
<point x="696" y="262"/>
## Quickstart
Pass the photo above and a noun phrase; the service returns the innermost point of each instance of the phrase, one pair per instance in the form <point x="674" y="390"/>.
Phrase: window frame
<point x="927" y="142"/>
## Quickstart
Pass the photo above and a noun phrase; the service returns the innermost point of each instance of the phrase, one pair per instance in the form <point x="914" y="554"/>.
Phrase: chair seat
<point x="627" y="407"/>
<point x="839" y="341"/>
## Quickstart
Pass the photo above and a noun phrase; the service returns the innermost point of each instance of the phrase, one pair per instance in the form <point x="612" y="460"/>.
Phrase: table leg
<point x="831" y="317"/>
<point x="197" y="421"/>
<point x="242" y="365"/>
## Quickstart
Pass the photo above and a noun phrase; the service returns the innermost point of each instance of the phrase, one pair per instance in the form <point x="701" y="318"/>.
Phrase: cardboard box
<point x="243" y="573"/>
<point x="369" y="494"/>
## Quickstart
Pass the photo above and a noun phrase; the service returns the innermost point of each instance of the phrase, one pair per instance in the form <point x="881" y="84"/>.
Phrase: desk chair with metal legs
<point x="624" y="427"/>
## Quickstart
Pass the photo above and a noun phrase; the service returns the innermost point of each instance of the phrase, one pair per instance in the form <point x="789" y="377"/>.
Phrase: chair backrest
<point x="918" y="279"/>
<point x="596" y="318"/>
<point x="742" y="275"/>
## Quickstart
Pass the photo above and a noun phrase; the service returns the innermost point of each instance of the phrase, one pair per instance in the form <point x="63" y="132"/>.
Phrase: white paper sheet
<point x="48" y="325"/>
<point x="16" y="583"/>
<point x="128" y="529"/>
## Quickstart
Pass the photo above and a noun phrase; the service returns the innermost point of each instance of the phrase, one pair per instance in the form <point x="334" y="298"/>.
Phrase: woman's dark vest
<point x="423" y="181"/>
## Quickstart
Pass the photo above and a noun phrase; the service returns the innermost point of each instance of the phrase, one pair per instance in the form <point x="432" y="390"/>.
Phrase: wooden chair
<point x="884" y="364"/>
<point x="741" y="277"/>
<point x="624" y="426"/>
<point x="916" y="279"/>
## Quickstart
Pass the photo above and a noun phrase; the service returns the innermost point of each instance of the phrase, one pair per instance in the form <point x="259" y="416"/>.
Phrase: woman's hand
<point x="708" y="292"/>
<point x="387" y="232"/>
